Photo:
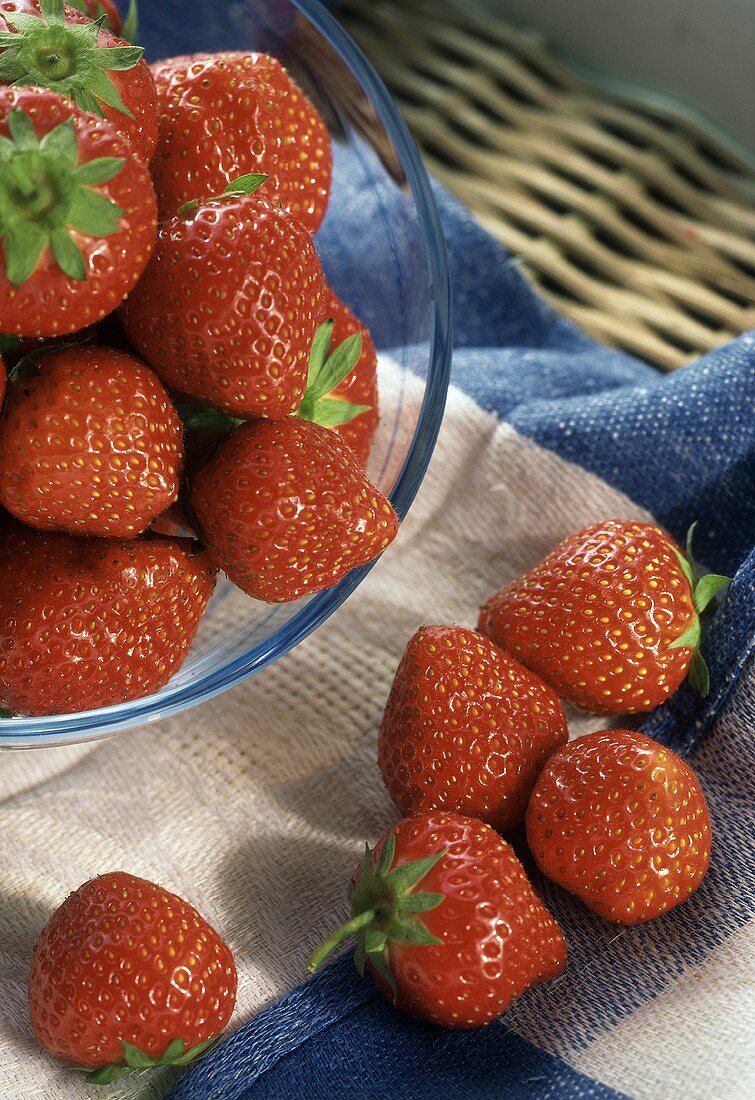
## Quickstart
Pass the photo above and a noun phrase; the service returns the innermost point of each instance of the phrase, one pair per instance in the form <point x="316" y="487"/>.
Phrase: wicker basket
<point x="635" y="222"/>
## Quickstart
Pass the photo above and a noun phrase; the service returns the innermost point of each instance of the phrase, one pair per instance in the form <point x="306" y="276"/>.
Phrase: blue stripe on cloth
<point x="336" y="1038"/>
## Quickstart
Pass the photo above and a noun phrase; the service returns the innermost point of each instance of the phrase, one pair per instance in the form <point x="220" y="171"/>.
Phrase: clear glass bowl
<point x="383" y="250"/>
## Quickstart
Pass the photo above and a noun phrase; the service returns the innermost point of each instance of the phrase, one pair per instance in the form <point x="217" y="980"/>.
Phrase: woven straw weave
<point x="636" y="222"/>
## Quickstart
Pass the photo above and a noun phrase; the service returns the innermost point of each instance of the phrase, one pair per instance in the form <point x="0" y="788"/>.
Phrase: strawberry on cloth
<point x="610" y="618"/>
<point x="466" y="728"/>
<point x="447" y="923"/>
<point x="175" y="987"/>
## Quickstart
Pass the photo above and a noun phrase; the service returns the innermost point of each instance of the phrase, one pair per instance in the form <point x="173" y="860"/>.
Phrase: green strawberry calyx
<point x="45" y="51"/>
<point x="243" y="185"/>
<point x="134" y="1060"/>
<point x="384" y="908"/>
<point x="129" y="30"/>
<point x="328" y="367"/>
<point x="46" y="195"/>
<point x="704" y="590"/>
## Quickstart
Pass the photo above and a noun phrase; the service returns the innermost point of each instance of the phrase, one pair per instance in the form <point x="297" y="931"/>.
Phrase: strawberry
<point x="288" y="510"/>
<point x="229" y="115"/>
<point x="447" y="922"/>
<point x="87" y="623"/>
<point x="610" y="618"/>
<point x="620" y="821"/>
<point x="92" y="445"/>
<point x="126" y="975"/>
<point x="466" y="728"/>
<point x="48" y="45"/>
<point x="229" y="306"/>
<point x="359" y="387"/>
<point x="77" y="215"/>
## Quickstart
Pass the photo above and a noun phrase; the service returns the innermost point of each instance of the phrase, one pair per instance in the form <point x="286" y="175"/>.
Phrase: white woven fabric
<point x="255" y="806"/>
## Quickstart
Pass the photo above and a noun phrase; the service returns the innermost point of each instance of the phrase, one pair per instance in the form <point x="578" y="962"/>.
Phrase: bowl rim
<point x="91" y="726"/>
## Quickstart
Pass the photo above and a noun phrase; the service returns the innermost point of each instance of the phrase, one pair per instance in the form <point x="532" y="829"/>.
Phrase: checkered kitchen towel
<point x="255" y="806"/>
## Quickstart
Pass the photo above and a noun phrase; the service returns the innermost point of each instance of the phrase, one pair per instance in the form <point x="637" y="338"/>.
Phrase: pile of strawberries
<point x="184" y="391"/>
<point x="474" y="741"/>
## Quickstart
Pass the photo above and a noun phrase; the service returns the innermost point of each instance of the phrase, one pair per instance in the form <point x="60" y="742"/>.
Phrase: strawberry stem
<point x="384" y="908"/>
<point x="350" y="928"/>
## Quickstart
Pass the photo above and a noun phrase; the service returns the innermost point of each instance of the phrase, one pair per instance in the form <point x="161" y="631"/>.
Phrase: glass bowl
<point x="383" y="251"/>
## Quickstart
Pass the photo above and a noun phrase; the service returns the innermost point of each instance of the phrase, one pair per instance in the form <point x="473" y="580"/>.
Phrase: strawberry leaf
<point x="328" y="368"/>
<point x="174" y="1050"/>
<point x="707" y="588"/>
<point x="8" y="344"/>
<point x="5" y="713"/>
<point x="135" y="1058"/>
<point x="198" y="417"/>
<point x="331" y="412"/>
<point x="130" y="31"/>
<point x="699" y="676"/>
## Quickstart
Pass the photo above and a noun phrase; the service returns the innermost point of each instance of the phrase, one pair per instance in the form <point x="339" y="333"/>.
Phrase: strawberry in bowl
<point x="144" y="362"/>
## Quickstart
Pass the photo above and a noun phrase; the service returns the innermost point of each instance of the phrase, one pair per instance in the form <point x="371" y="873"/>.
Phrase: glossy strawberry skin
<point x="136" y="86"/>
<point x="50" y="303"/>
<point x="597" y="618"/>
<point x="288" y="511"/>
<point x="227" y="115"/>
<point x="360" y="387"/>
<point x="497" y="938"/>
<point x="125" y="960"/>
<point x="92" y="445"/>
<point x="466" y="728"/>
<point x="88" y="623"/>
<point x="622" y="822"/>
<point x="229" y="305"/>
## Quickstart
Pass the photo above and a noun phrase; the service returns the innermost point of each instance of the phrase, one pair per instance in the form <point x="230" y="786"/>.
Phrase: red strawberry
<point x="48" y="45"/>
<point x="92" y="445"/>
<point x="620" y="821"/>
<point x="466" y="728"/>
<point x="227" y="115"/>
<point x="229" y="306"/>
<point x="447" y="922"/>
<point x="67" y="261"/>
<point x="126" y="975"/>
<point x="87" y="623"/>
<point x="609" y="619"/>
<point x="288" y="510"/>
<point x="359" y="387"/>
